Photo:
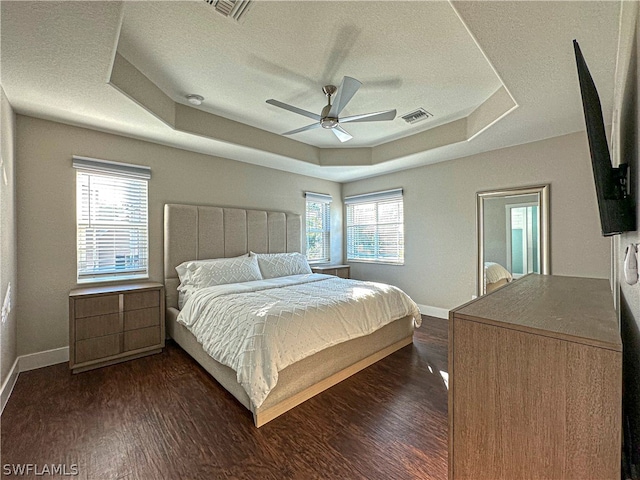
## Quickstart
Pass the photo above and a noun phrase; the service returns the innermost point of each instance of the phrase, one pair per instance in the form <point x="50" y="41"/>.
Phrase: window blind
<point x="375" y="227"/>
<point x="112" y="220"/>
<point x="318" y="229"/>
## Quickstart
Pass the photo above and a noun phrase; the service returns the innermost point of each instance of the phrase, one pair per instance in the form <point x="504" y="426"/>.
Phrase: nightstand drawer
<point x="99" y="347"/>
<point x="342" y="271"/>
<point x="136" y="301"/>
<point x="145" y="317"/>
<point x="98" y="326"/>
<point x="140" y="338"/>
<point x="100" y="305"/>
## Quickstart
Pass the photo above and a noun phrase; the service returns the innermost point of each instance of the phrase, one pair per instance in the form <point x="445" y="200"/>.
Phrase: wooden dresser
<point x="535" y="382"/>
<point x="111" y="324"/>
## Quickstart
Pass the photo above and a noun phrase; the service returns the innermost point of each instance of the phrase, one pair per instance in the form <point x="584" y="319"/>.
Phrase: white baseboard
<point x="43" y="359"/>
<point x="434" y="311"/>
<point x="9" y="383"/>
<point x="24" y="363"/>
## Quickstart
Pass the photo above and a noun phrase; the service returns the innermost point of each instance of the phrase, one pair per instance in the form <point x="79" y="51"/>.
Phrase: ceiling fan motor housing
<point x="325" y="120"/>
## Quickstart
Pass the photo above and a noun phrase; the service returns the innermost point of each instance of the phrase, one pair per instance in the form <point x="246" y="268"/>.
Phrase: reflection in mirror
<point x="513" y="235"/>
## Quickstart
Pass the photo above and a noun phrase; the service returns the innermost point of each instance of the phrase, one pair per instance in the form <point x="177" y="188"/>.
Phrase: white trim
<point x="7" y="386"/>
<point x="43" y="359"/>
<point x="24" y="363"/>
<point x="434" y="311"/>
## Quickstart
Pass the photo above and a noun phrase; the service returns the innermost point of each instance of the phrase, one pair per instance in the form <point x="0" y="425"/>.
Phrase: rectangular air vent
<point x="416" y="116"/>
<point x="234" y="9"/>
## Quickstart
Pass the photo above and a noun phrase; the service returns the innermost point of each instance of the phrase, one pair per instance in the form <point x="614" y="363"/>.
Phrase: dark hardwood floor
<point x="164" y="417"/>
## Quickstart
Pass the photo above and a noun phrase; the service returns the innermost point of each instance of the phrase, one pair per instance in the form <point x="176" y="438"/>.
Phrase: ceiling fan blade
<point x="346" y="91"/>
<point x="293" y="109"/>
<point x="341" y="133"/>
<point x="371" y="117"/>
<point x="303" y="129"/>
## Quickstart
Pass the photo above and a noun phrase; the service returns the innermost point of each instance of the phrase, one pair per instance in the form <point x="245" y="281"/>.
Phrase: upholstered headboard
<point x="196" y="232"/>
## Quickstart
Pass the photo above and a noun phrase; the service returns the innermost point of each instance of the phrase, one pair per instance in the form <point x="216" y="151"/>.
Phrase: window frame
<point x="375" y="199"/>
<point x="325" y="201"/>
<point x="134" y="179"/>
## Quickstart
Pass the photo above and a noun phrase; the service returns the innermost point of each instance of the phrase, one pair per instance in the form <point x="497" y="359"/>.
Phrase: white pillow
<point x="186" y="269"/>
<point x="226" y="270"/>
<point x="274" y="265"/>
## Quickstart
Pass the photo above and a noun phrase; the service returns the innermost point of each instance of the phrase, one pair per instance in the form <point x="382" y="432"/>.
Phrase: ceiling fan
<point x="329" y="117"/>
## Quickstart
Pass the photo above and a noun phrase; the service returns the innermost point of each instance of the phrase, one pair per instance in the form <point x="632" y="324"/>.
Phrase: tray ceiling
<point x="492" y="74"/>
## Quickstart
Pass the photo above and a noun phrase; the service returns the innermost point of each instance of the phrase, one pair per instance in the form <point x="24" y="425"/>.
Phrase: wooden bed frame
<point x="193" y="232"/>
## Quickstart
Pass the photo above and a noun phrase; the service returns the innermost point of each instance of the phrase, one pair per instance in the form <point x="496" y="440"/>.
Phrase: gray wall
<point x="625" y="149"/>
<point x="440" y="216"/>
<point x="8" y="252"/>
<point x="46" y="209"/>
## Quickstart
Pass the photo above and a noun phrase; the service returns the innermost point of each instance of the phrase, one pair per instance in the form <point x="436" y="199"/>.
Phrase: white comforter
<point x="258" y="328"/>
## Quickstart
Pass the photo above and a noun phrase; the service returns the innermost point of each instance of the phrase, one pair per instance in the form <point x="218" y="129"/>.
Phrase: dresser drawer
<point x="98" y="326"/>
<point x="99" y="347"/>
<point x="140" y="338"/>
<point x="136" y="301"/>
<point x="145" y="317"/>
<point x="113" y="323"/>
<point x="101" y="305"/>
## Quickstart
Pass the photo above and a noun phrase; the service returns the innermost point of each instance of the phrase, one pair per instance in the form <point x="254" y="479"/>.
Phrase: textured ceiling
<point x="407" y="55"/>
<point x="449" y="58"/>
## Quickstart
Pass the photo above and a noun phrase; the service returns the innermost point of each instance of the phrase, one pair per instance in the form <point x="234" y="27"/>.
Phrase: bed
<point x="495" y="276"/>
<point x="194" y="232"/>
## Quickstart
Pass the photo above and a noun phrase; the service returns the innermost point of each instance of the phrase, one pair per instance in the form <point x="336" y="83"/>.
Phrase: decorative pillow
<point x="226" y="270"/>
<point x="274" y="265"/>
<point x="186" y="269"/>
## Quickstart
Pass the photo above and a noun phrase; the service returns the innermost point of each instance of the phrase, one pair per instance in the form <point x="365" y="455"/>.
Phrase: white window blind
<point x="318" y="216"/>
<point x="112" y="220"/>
<point x="375" y="227"/>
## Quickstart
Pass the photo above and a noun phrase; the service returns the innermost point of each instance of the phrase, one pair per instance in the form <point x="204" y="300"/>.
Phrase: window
<point x="111" y="218"/>
<point x="375" y="227"/>
<point x="318" y="214"/>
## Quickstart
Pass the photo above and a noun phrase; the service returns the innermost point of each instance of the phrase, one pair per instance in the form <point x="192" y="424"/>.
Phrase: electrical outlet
<point x="6" y="305"/>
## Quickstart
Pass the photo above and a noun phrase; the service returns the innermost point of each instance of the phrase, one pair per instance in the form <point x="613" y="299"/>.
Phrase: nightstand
<point x="342" y="271"/>
<point x="115" y="323"/>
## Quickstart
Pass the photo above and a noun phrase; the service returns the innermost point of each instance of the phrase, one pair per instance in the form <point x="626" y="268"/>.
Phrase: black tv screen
<point x="617" y="209"/>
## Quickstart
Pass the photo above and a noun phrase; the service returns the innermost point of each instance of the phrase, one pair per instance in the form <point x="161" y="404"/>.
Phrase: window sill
<point x="112" y="278"/>
<point x="375" y="262"/>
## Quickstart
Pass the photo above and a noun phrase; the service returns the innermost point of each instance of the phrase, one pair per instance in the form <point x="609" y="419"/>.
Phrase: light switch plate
<point x="6" y="305"/>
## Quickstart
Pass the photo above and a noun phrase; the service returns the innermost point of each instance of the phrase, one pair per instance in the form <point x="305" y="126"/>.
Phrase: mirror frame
<point x="545" y="258"/>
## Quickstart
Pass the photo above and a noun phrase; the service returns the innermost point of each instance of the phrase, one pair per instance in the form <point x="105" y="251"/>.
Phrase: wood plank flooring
<point x="164" y="417"/>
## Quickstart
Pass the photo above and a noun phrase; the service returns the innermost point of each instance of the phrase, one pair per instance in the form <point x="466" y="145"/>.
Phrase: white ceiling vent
<point x="416" y="116"/>
<point x="234" y="9"/>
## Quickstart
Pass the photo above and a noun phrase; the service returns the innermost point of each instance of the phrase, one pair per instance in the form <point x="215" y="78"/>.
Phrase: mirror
<point x="513" y="235"/>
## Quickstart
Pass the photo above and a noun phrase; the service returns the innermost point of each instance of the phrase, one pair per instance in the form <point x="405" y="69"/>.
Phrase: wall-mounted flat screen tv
<point x="617" y="208"/>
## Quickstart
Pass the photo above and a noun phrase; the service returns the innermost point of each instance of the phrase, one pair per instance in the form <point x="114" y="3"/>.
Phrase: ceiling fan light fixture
<point x="328" y="122"/>
<point x="194" y="99"/>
